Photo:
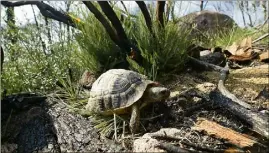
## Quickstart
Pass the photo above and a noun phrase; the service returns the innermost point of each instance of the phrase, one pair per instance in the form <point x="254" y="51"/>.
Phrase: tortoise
<point x="123" y="91"/>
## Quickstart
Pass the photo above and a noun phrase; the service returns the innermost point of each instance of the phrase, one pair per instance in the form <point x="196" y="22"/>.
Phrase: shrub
<point x="98" y="52"/>
<point x="163" y="50"/>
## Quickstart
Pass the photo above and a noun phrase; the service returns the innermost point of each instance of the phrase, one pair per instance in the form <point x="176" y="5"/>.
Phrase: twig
<point x="151" y="118"/>
<point x="123" y="136"/>
<point x="172" y="148"/>
<point x="206" y="65"/>
<point x="260" y="38"/>
<point x="188" y="143"/>
<point x="115" y="127"/>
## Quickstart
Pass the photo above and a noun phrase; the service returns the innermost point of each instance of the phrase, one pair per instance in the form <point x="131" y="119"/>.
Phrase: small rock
<point x="205" y="52"/>
<point x="174" y="94"/>
<point x="146" y="145"/>
<point x="50" y="146"/>
<point x="78" y="137"/>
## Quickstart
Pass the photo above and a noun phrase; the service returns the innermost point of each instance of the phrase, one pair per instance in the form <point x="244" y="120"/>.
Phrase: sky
<point x="25" y="14"/>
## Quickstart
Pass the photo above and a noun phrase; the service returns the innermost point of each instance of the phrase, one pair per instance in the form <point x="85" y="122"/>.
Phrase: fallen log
<point x="48" y="126"/>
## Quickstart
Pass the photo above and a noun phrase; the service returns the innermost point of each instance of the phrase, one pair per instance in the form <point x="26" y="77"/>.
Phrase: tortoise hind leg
<point x="135" y="118"/>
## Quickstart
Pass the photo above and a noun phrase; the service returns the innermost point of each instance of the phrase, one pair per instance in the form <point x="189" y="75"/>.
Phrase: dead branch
<point x="145" y="13"/>
<point x="172" y="148"/>
<point x="111" y="15"/>
<point x="104" y="22"/>
<point x="260" y="38"/>
<point x="205" y="65"/>
<point x="223" y="76"/>
<point x="259" y="122"/>
<point x="160" y="12"/>
<point x="45" y="9"/>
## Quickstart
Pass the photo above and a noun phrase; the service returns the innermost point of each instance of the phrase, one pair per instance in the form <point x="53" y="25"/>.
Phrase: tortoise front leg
<point x="135" y="118"/>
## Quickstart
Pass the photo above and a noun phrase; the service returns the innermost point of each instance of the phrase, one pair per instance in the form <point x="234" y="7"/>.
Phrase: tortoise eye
<point x="156" y="84"/>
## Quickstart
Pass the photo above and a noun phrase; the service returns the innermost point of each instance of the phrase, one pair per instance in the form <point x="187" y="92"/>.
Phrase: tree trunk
<point x="48" y="126"/>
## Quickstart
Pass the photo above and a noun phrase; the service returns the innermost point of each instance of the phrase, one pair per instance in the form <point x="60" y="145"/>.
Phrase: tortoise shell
<point x="116" y="90"/>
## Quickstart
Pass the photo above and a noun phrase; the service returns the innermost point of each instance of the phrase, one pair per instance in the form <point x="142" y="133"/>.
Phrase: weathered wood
<point x="223" y="76"/>
<point x="212" y="128"/>
<point x="259" y="122"/>
<point x="48" y="126"/>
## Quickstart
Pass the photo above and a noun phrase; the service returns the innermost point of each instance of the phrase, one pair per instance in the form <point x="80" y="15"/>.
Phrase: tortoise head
<point x="156" y="93"/>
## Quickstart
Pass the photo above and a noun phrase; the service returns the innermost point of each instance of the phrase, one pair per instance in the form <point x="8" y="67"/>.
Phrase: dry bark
<point x="259" y="122"/>
<point x="212" y="128"/>
<point x="48" y="126"/>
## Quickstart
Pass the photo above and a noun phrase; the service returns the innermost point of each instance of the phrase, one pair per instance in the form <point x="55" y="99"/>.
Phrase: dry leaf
<point x="233" y="48"/>
<point x="240" y="49"/>
<point x="246" y="43"/>
<point x="247" y="56"/>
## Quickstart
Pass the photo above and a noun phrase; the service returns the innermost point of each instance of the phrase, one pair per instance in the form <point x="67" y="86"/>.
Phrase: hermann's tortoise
<point x="122" y="91"/>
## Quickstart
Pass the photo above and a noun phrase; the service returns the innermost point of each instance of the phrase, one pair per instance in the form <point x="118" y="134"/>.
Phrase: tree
<point x="116" y="31"/>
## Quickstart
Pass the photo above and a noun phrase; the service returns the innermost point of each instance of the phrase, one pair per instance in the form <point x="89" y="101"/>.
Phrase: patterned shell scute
<point x="117" y="88"/>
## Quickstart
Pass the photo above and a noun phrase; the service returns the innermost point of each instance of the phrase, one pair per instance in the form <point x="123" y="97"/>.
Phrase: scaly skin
<point x="135" y="118"/>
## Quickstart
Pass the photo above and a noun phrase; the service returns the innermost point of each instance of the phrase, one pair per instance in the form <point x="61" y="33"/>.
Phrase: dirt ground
<point x="182" y="112"/>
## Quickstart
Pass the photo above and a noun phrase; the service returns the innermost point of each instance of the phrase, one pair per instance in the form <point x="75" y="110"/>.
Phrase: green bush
<point x="163" y="50"/>
<point x="98" y="52"/>
<point x="28" y="68"/>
